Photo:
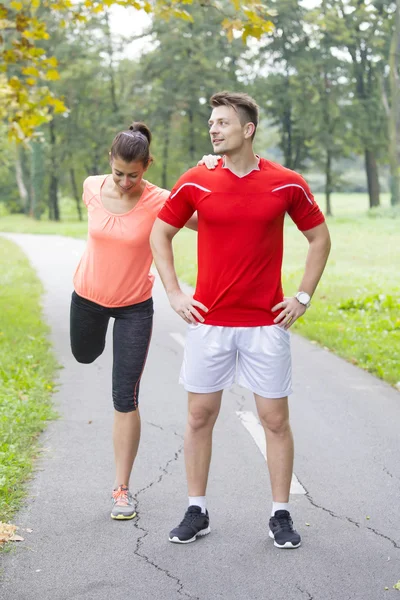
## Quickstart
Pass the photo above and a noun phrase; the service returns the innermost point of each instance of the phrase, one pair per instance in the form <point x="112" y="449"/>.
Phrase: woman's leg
<point x="88" y="328"/>
<point x="132" y="333"/>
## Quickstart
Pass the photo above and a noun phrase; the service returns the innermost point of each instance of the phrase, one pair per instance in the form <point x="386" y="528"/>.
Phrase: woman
<point x="113" y="279"/>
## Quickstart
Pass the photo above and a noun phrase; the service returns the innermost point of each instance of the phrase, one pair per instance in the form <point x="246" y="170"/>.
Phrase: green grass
<point x="355" y="311"/>
<point x="27" y="367"/>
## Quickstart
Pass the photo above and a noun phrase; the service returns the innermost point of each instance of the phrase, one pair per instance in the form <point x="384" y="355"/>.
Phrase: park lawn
<point x="23" y="224"/>
<point x="27" y="367"/>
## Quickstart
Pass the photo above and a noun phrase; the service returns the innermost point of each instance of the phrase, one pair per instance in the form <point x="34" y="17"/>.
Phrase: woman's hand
<point x="210" y="160"/>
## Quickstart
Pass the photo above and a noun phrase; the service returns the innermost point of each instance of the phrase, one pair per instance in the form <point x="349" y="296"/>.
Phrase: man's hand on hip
<point x="185" y="307"/>
<point x="291" y="310"/>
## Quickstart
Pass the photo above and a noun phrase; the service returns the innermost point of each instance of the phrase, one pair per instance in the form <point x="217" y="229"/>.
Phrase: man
<point x="238" y="318"/>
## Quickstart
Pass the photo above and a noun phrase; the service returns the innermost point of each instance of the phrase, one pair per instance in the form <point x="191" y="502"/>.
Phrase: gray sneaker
<point x="122" y="504"/>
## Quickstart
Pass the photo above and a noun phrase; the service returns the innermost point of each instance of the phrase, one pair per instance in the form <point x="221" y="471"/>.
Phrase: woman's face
<point x="127" y="176"/>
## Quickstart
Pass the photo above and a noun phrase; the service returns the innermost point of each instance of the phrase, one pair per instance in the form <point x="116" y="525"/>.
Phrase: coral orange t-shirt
<point x="115" y="267"/>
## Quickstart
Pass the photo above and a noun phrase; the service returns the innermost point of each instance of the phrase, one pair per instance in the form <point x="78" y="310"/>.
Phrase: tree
<point x="329" y="79"/>
<point x="284" y="91"/>
<point x="391" y="103"/>
<point x="176" y="84"/>
<point x="26" y="101"/>
<point x="360" y="28"/>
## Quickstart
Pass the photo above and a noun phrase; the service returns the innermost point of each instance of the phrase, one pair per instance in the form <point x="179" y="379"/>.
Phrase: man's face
<point x="226" y="131"/>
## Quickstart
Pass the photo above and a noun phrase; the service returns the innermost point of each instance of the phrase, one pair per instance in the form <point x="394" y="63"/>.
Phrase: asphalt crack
<point x="145" y="533"/>
<point x="154" y="425"/>
<point x="352" y="521"/>
<point x="385" y="470"/>
<point x="305" y="592"/>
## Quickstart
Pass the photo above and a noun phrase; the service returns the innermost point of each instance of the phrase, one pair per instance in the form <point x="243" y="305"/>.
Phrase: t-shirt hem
<point x="130" y="303"/>
<point x="219" y="323"/>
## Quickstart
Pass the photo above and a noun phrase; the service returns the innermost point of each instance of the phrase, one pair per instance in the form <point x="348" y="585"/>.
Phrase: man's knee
<point x="200" y="418"/>
<point x="277" y="423"/>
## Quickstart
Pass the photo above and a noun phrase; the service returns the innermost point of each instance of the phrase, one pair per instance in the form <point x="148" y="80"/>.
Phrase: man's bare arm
<point x="161" y="244"/>
<point x="318" y="251"/>
<point x="193" y="222"/>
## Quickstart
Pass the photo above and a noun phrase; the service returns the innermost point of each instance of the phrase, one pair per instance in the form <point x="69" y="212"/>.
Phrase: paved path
<point x="346" y="426"/>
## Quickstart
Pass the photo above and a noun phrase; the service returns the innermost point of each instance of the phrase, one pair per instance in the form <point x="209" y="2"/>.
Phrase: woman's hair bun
<point x="142" y="128"/>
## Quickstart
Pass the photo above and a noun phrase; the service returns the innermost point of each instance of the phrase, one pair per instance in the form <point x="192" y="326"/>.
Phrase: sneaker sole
<point x="123" y="517"/>
<point x="287" y="545"/>
<point x="176" y="540"/>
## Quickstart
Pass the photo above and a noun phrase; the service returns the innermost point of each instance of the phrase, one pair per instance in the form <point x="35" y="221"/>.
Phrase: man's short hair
<point x="245" y="106"/>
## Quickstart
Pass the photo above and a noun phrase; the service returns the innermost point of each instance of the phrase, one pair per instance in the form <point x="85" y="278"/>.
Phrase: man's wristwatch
<point x="303" y="298"/>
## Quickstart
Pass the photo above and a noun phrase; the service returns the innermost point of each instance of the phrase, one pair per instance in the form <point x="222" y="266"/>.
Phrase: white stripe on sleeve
<point x="192" y="184"/>
<point x="294" y="185"/>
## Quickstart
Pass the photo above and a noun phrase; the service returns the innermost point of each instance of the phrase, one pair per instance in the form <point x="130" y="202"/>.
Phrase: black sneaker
<point x="282" y="532"/>
<point x="194" y="523"/>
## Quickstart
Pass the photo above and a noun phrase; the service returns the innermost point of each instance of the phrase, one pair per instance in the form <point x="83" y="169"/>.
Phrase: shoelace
<point x="285" y="523"/>
<point x="189" y="517"/>
<point x="120" y="496"/>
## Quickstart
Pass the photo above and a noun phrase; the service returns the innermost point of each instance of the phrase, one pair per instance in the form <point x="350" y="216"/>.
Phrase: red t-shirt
<point x="240" y="236"/>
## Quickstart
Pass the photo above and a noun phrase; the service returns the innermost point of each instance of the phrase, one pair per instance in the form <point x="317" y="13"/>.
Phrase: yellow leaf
<point x="52" y="75"/>
<point x="182" y="14"/>
<point x="30" y="71"/>
<point x="30" y="81"/>
<point x="16" y="5"/>
<point x="52" y="61"/>
<point x="59" y="107"/>
<point x="15" y="83"/>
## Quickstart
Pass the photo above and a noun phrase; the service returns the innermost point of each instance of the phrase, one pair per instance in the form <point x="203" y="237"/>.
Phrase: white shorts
<point x="257" y="358"/>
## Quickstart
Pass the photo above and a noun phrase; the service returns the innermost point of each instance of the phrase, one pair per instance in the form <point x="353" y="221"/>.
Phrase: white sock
<point x="279" y="506"/>
<point x="198" y="501"/>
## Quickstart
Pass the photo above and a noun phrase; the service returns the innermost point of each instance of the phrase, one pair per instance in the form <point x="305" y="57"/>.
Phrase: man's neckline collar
<point x="257" y="168"/>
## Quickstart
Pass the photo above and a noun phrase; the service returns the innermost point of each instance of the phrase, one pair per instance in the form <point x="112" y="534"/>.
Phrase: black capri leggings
<point x="131" y="338"/>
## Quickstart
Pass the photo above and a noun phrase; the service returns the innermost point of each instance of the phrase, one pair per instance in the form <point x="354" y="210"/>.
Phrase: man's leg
<point x="203" y="411"/>
<point x="274" y="417"/>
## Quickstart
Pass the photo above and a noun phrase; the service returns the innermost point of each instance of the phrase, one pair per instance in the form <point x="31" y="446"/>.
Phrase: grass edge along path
<point x="27" y="369"/>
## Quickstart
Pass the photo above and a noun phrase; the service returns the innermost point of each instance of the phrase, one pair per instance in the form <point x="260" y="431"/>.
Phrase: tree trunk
<point x="371" y="168"/>
<point x="75" y="192"/>
<point x="23" y="192"/>
<point x="94" y="170"/>
<point x="192" y="147"/>
<point x="37" y="180"/>
<point x="54" y="210"/>
<point x="328" y="182"/>
<point x="111" y="66"/>
<point x="394" y="112"/>
<point x="167" y="135"/>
